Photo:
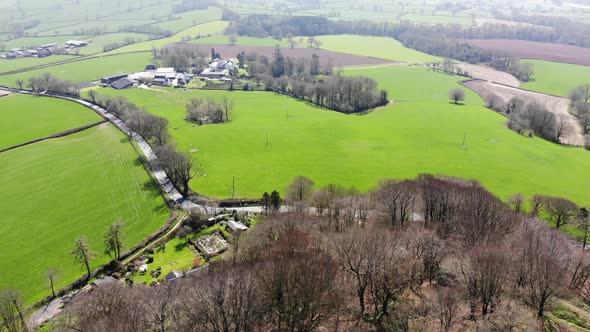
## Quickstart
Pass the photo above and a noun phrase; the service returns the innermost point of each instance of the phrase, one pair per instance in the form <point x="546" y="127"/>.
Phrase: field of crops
<point x="57" y="190"/>
<point x="25" y="118"/>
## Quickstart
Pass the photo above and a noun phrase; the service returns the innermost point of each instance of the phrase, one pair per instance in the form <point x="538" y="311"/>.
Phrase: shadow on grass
<point x="180" y="246"/>
<point x="125" y="139"/>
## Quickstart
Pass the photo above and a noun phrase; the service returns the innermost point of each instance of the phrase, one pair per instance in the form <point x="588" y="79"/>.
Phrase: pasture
<point x="557" y="78"/>
<point x="379" y="47"/>
<point x="87" y="69"/>
<point x="56" y="190"/>
<point x="399" y="141"/>
<point x="15" y="64"/>
<point x="25" y="118"/>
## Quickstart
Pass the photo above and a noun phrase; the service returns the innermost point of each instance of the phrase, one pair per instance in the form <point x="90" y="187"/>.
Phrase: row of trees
<point x="534" y="118"/>
<point x="424" y="249"/>
<point x="580" y="108"/>
<point x="180" y="167"/>
<point x="49" y="83"/>
<point x="524" y="71"/>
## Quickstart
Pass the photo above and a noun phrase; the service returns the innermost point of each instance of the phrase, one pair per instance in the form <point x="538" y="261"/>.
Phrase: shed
<point x="236" y="225"/>
<point x="111" y="79"/>
<point x="173" y="275"/>
<point x="122" y="83"/>
<point x="76" y="43"/>
<point x="103" y="281"/>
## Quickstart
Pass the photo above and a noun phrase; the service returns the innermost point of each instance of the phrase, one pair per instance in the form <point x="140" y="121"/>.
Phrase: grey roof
<point x="122" y="83"/>
<point x="173" y="275"/>
<point x="104" y="281"/>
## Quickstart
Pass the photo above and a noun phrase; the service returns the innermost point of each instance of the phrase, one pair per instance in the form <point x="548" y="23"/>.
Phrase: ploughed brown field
<point x="535" y="50"/>
<point x="337" y="59"/>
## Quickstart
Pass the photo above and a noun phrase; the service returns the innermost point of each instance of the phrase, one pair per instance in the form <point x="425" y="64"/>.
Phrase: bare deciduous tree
<point x="446" y="307"/>
<point x="560" y="211"/>
<point x="82" y="254"/>
<point x="516" y="201"/>
<point x="12" y="315"/>
<point x="300" y="188"/>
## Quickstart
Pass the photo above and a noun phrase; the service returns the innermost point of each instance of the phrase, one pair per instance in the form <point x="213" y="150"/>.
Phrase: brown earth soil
<point x="559" y="106"/>
<point x="336" y="59"/>
<point x="535" y="50"/>
<point x="488" y="74"/>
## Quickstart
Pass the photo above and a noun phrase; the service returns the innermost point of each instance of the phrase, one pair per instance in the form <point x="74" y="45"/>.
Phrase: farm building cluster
<point x="218" y="69"/>
<point x="44" y="51"/>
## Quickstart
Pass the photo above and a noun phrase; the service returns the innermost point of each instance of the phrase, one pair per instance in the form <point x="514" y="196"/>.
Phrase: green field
<point x="9" y="65"/>
<point x="97" y="43"/>
<point x="244" y="41"/>
<point x="87" y="69"/>
<point x="25" y="118"/>
<point x="435" y="19"/>
<point x="557" y="78"/>
<point x="188" y="19"/>
<point x="57" y="190"/>
<point x="205" y="29"/>
<point x="400" y="140"/>
<point x="411" y="83"/>
<point x="378" y="47"/>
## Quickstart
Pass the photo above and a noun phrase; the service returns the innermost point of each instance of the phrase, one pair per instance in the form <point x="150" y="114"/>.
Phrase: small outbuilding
<point x="107" y="280"/>
<point x="173" y="275"/>
<point x="236" y="226"/>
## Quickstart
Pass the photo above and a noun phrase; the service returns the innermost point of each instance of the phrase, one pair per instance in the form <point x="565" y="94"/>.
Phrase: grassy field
<point x="436" y="19"/>
<point x="25" y="118"/>
<point x="557" y="78"/>
<point x="411" y="83"/>
<point x="57" y="190"/>
<point x="205" y="29"/>
<point x="400" y="141"/>
<point x="9" y="65"/>
<point x="188" y="19"/>
<point x="34" y="42"/>
<point x="242" y="40"/>
<point x="379" y="47"/>
<point x="88" y="69"/>
<point x="97" y="43"/>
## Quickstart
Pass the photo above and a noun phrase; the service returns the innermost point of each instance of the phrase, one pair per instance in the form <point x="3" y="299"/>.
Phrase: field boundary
<point x="57" y="135"/>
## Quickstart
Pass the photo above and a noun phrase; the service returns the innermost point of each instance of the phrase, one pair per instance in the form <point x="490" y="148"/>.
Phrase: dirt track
<point x="337" y="59"/>
<point x="488" y="74"/>
<point x="535" y="50"/>
<point x="557" y="105"/>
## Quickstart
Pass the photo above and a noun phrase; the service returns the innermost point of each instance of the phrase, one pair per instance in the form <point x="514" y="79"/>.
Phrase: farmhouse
<point x="122" y="83"/>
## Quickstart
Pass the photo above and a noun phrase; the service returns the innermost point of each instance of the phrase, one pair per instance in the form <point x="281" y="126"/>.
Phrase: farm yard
<point x="25" y="118"/>
<point x="57" y="190"/>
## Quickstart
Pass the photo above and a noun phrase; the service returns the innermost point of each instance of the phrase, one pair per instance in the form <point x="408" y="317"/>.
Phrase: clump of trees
<point x="299" y="78"/>
<point x="534" y="118"/>
<point x="580" y="108"/>
<point x="203" y="111"/>
<point x="50" y="83"/>
<point x="409" y="254"/>
<point x="524" y="71"/>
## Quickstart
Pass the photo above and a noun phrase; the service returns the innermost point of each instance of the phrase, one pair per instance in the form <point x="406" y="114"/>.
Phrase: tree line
<point x="429" y="253"/>
<point x="299" y="79"/>
<point x="180" y="167"/>
<point x="580" y="108"/>
<point x="49" y="83"/>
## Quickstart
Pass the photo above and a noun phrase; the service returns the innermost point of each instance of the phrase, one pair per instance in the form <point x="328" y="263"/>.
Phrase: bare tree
<point x="536" y="202"/>
<point x="516" y="201"/>
<point x="291" y="40"/>
<point x="20" y="83"/>
<point x="12" y="315"/>
<point x="113" y="239"/>
<point x="300" y="188"/>
<point x="228" y="106"/>
<point x="457" y="95"/>
<point x="562" y="127"/>
<point x="560" y="210"/>
<point x="446" y="308"/>
<point x="233" y="39"/>
<point x="52" y="274"/>
<point x="82" y="254"/>
<point x="580" y="93"/>
<point x="396" y="200"/>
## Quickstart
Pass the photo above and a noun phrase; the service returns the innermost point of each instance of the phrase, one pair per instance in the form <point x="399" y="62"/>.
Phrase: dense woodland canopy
<point x="430" y="253"/>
